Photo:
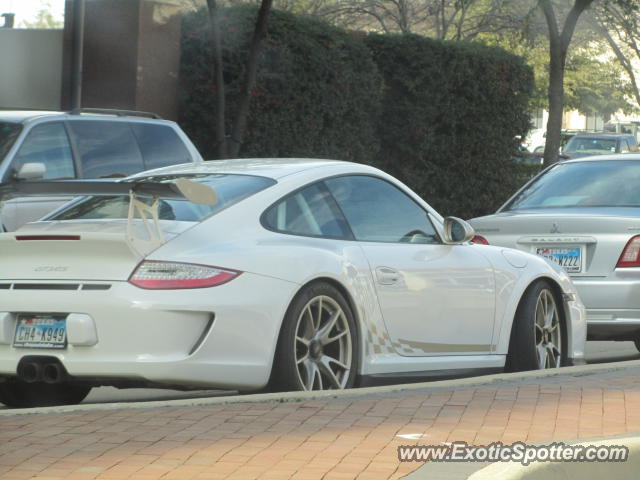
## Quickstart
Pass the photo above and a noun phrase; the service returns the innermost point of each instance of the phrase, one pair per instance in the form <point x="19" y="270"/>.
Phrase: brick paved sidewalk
<point x="341" y="438"/>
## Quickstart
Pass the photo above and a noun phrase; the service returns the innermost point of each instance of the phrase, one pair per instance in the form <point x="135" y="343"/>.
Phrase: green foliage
<point x="593" y="84"/>
<point x="44" y="19"/>
<point x="596" y="86"/>
<point x="450" y="115"/>
<point x="316" y="94"/>
<point x="441" y="116"/>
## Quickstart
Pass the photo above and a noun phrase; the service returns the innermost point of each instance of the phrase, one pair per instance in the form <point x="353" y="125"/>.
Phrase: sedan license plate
<point x="40" y="331"/>
<point x="569" y="258"/>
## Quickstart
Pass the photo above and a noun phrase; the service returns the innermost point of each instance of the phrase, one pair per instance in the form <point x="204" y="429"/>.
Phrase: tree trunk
<point x="622" y="59"/>
<point x="240" y="120"/>
<point x="558" y="48"/>
<point x="556" y="102"/>
<point x="218" y="74"/>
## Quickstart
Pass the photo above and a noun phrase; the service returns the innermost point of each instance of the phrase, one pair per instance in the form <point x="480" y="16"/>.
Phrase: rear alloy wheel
<point x="318" y="346"/>
<point x="18" y="394"/>
<point x="537" y="331"/>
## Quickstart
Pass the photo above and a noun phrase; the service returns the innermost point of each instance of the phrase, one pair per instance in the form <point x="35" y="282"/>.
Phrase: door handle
<point x="387" y="276"/>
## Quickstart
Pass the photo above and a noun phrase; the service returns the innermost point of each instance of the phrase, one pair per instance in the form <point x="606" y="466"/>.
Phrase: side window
<point x="310" y="211"/>
<point x="106" y="149"/>
<point x="160" y="145"/>
<point x="624" y="146"/>
<point x="47" y="144"/>
<point x="377" y="211"/>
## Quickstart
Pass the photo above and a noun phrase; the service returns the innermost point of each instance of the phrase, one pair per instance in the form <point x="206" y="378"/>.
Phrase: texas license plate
<point x="40" y="331"/>
<point x="569" y="258"/>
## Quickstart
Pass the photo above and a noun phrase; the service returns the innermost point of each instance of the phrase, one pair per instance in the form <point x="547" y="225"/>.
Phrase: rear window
<point x="591" y="146"/>
<point x="608" y="183"/>
<point x="230" y="189"/>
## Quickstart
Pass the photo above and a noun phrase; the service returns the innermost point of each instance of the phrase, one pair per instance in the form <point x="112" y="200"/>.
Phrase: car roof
<point x="266" y="167"/>
<point x="604" y="158"/>
<point x="24" y="116"/>
<point x="19" y="116"/>
<point x="602" y="135"/>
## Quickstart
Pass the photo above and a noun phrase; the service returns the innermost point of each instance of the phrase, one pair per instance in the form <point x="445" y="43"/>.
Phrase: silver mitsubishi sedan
<point x="584" y="215"/>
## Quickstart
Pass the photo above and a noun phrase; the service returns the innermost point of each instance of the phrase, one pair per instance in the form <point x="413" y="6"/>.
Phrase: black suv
<point x="83" y="143"/>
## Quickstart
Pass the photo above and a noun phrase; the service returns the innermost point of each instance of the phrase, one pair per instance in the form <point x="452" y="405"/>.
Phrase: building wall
<point x="131" y="55"/>
<point x="31" y="68"/>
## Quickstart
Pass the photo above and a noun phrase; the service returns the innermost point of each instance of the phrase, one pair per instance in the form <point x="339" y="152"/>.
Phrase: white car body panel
<point x="226" y="336"/>
<point x="446" y="289"/>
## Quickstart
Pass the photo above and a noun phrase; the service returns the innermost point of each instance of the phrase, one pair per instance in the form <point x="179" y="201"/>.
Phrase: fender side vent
<point x="46" y="286"/>
<point x="95" y="286"/>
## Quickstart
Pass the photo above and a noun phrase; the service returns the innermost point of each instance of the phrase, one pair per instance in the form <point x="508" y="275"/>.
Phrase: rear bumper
<point x="613" y="307"/>
<point x="221" y="337"/>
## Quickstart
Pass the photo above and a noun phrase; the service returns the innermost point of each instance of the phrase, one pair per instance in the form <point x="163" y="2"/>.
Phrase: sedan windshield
<point x="229" y="189"/>
<point x="590" y="146"/>
<point x="611" y="183"/>
<point x="8" y="134"/>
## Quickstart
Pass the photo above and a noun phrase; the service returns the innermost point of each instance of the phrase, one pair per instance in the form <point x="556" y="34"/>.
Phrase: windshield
<point x="583" y="184"/>
<point x="229" y="189"/>
<point x="8" y="134"/>
<point x="590" y="146"/>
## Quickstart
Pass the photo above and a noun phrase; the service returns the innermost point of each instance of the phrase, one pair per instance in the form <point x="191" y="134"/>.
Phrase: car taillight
<point x="479" y="239"/>
<point x="157" y="275"/>
<point x="631" y="254"/>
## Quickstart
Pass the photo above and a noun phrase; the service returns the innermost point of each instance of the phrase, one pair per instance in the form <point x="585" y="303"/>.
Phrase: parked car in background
<point x="84" y="143"/>
<point x="584" y="145"/>
<point x="522" y="155"/>
<point x="584" y="215"/>
<point x="537" y="140"/>
<point x="292" y="274"/>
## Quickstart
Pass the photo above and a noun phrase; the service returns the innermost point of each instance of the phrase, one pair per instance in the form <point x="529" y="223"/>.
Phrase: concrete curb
<point x="497" y="380"/>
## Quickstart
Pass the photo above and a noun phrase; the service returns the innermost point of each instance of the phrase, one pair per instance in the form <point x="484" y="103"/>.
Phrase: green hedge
<point x="441" y="116"/>
<point x="316" y="94"/>
<point x="450" y="114"/>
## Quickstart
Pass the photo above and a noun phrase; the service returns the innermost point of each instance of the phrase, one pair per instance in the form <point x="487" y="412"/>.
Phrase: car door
<point x="46" y="145"/>
<point x="436" y="299"/>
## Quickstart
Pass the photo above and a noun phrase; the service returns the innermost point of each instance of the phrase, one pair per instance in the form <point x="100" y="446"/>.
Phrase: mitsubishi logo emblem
<point x="554" y="228"/>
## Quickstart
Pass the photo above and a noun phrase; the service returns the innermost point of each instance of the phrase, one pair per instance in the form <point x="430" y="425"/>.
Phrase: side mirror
<point x="31" y="171"/>
<point x="457" y="231"/>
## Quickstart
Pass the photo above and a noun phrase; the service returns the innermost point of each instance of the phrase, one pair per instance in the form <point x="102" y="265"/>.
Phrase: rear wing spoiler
<point x="180" y="189"/>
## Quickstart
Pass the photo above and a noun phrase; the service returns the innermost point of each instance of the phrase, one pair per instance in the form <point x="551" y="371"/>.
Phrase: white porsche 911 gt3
<point x="279" y="273"/>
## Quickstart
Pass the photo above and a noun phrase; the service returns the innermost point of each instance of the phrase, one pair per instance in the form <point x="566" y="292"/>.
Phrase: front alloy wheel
<point x="548" y="331"/>
<point x="537" y="332"/>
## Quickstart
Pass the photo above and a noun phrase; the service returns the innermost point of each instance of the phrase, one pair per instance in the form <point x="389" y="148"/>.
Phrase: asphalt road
<point x="597" y="352"/>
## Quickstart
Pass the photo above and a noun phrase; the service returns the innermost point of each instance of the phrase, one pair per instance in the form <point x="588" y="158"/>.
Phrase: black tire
<point x="18" y="394"/>
<point x="526" y="336"/>
<point x="290" y="375"/>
